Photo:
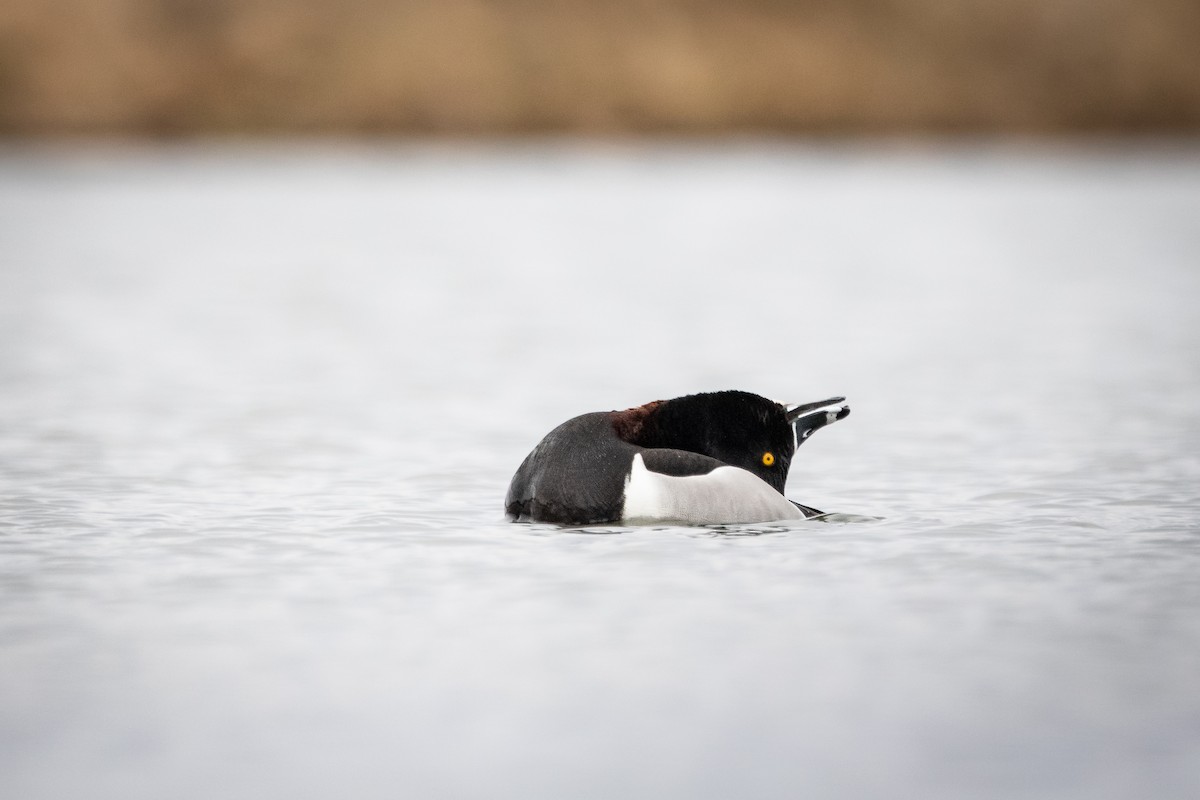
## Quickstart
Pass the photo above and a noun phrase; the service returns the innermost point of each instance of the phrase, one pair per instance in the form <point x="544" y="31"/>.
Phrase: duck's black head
<point x="738" y="428"/>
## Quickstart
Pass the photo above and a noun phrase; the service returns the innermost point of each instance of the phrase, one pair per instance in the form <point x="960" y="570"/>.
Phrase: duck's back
<point x="575" y="475"/>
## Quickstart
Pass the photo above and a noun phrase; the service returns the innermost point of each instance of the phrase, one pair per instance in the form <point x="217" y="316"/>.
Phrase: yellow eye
<point x="768" y="459"/>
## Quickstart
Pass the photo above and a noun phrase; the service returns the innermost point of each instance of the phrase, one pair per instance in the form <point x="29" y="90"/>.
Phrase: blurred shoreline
<point x="666" y="68"/>
<point x="1083" y="144"/>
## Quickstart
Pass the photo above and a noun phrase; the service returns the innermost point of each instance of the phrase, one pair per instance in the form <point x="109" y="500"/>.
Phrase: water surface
<point x="259" y="407"/>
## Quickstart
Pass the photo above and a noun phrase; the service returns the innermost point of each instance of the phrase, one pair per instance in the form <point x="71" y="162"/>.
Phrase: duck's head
<point x="738" y="428"/>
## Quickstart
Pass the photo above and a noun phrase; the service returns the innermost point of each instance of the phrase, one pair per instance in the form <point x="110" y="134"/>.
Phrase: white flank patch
<point x="727" y="495"/>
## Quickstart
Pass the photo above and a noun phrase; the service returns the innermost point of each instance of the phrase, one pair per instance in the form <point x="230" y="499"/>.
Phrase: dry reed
<point x="515" y="66"/>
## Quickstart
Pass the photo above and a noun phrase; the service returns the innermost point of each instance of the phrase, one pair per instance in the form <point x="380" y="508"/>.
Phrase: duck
<point x="712" y="458"/>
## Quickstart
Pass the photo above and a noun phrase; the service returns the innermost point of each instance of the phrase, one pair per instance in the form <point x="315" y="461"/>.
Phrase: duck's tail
<point x="807" y="511"/>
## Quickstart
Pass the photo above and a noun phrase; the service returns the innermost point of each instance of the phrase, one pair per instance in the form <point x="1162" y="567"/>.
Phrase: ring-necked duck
<point x="705" y="459"/>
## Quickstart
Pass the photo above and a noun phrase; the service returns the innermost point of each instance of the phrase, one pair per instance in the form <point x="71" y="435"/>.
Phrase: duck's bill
<point x="810" y="417"/>
<point x="803" y="408"/>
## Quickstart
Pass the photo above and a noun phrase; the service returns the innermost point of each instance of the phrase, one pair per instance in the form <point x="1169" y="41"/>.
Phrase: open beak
<point x="809" y="417"/>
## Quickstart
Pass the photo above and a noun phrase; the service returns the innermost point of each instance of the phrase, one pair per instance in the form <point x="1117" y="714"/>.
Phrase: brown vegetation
<point x="510" y="66"/>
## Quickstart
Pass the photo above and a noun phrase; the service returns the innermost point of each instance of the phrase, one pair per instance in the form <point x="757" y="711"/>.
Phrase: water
<point x="260" y="406"/>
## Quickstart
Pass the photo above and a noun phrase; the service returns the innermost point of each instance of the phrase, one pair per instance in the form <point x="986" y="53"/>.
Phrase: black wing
<point x="678" y="462"/>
